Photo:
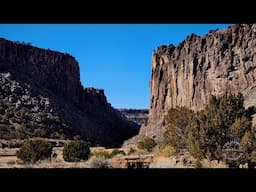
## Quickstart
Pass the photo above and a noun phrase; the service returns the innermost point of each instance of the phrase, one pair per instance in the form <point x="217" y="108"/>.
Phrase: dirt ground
<point x="11" y="161"/>
<point x="8" y="159"/>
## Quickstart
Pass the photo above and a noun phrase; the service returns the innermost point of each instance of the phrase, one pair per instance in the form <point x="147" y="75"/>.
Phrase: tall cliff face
<point x="49" y="70"/>
<point x="51" y="80"/>
<point x="201" y="66"/>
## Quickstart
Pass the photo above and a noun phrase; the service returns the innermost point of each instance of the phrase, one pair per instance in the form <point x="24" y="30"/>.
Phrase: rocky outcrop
<point x="139" y="116"/>
<point x="49" y="70"/>
<point x="201" y="66"/>
<point x="48" y="82"/>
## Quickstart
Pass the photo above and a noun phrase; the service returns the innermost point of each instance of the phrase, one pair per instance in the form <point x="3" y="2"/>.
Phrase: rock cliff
<point x="139" y="116"/>
<point x="201" y="66"/>
<point x="38" y="82"/>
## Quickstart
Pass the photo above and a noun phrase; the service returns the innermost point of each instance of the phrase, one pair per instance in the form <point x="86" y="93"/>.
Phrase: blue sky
<point x="114" y="57"/>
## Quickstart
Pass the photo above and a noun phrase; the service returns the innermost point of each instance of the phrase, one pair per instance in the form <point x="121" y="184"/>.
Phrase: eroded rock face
<point x="139" y="116"/>
<point x="201" y="66"/>
<point x="29" y="74"/>
<point x="47" y="69"/>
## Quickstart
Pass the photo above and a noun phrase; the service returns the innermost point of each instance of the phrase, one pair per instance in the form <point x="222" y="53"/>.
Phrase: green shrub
<point x="132" y="151"/>
<point x="147" y="144"/>
<point x="178" y="121"/>
<point x="76" y="150"/>
<point x="116" y="152"/>
<point x="2" y="111"/>
<point x="205" y="132"/>
<point x="32" y="124"/>
<point x="34" y="150"/>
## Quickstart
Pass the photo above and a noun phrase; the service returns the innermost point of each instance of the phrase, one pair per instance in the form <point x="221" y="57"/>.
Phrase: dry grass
<point x="172" y="162"/>
<point x="212" y="164"/>
<point x="164" y="151"/>
<point x="115" y="162"/>
<point x="163" y="162"/>
<point x="41" y="164"/>
<point x="99" y="162"/>
<point x="185" y="162"/>
<point x="165" y="159"/>
<point x="8" y="151"/>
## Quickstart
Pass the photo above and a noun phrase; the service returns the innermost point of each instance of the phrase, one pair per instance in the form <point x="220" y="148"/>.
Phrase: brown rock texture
<point x="201" y="66"/>
<point x="55" y="77"/>
<point x="47" y="69"/>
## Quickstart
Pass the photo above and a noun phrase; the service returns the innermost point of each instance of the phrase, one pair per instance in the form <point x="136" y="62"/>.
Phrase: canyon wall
<point x="201" y="66"/>
<point x="53" y="78"/>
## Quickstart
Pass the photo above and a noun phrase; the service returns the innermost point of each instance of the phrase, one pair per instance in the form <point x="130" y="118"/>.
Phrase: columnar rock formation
<point x="201" y="66"/>
<point x="42" y="74"/>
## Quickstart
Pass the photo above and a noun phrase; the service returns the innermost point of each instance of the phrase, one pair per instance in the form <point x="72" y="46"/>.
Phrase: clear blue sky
<point x="114" y="57"/>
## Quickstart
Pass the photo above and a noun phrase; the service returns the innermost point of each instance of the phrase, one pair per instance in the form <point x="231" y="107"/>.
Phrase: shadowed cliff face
<point x="201" y="66"/>
<point x="49" y="70"/>
<point x="55" y="76"/>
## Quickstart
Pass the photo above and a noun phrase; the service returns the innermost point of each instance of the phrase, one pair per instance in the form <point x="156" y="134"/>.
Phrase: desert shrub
<point x="39" y="132"/>
<point x="198" y="164"/>
<point x="99" y="162"/>
<point x="253" y="157"/>
<point x="77" y="137"/>
<point x="2" y="111"/>
<point x="5" y="130"/>
<point x="147" y="144"/>
<point x="116" y="152"/>
<point x="132" y="151"/>
<point x="178" y="121"/>
<point x="204" y="133"/>
<point x="34" y="150"/>
<point x="32" y="124"/>
<point x="76" y="150"/>
<point x="165" y="150"/>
